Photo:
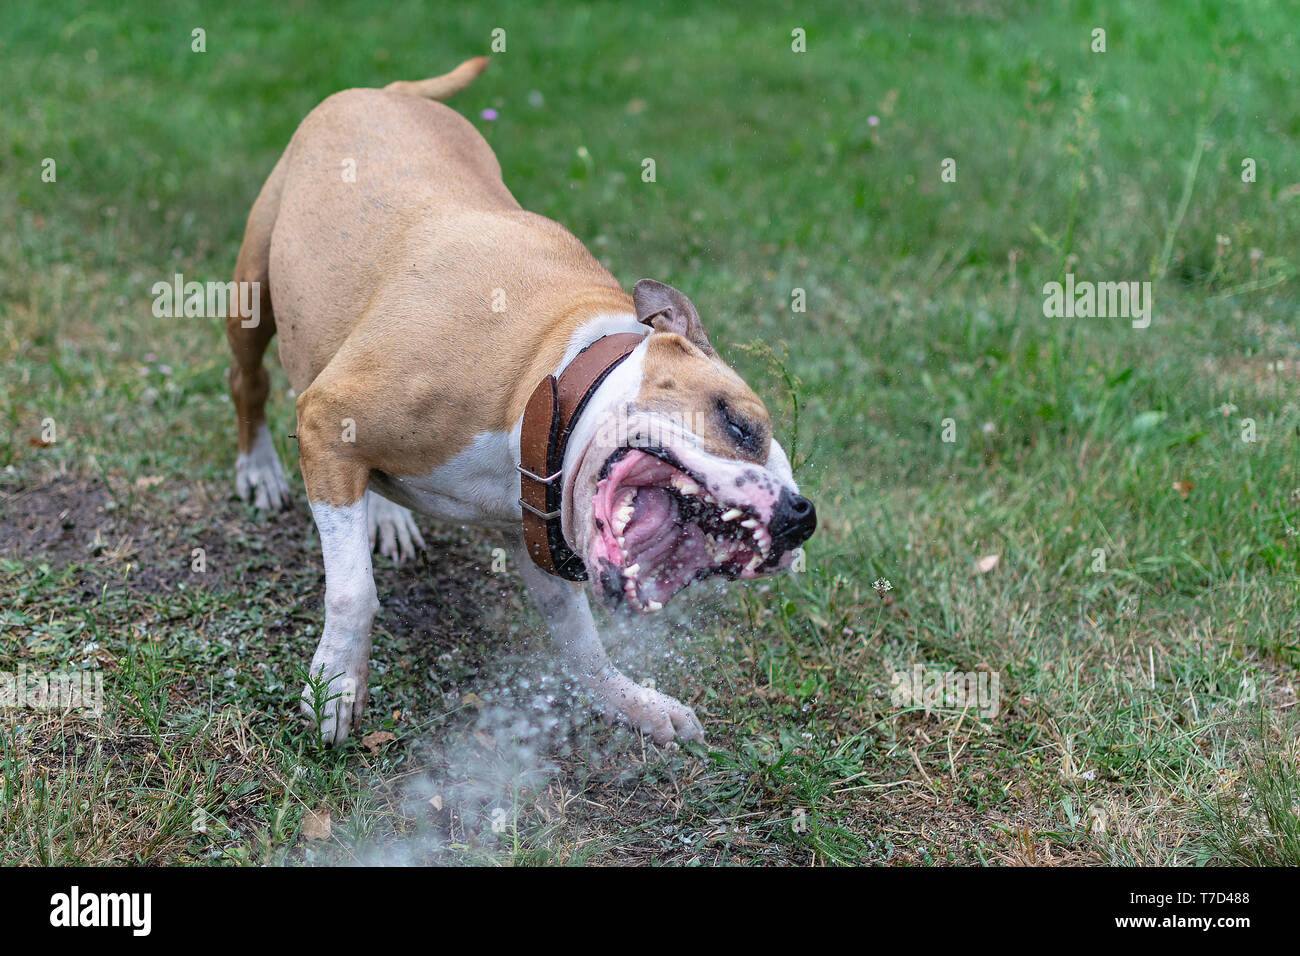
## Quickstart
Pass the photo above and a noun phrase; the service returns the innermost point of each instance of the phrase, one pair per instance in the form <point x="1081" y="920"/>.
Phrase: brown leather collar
<point x="549" y="417"/>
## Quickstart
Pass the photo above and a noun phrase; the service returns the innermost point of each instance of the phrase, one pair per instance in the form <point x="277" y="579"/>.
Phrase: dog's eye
<point x="745" y="434"/>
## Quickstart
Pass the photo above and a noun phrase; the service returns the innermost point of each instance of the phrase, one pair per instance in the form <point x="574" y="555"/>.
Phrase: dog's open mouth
<point x="659" y="527"/>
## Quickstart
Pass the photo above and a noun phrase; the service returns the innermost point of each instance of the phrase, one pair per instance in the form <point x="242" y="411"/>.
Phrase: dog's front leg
<point x="616" y="696"/>
<point x="336" y="476"/>
<point x="341" y="666"/>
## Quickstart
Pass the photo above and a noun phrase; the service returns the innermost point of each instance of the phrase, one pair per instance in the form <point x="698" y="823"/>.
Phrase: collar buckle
<point x="544" y="515"/>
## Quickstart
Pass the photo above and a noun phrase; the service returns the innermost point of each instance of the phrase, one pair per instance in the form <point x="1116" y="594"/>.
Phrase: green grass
<point x="1143" y="614"/>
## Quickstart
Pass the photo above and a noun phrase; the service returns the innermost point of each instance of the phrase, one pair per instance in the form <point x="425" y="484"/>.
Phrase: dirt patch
<point x="156" y="529"/>
<point x="166" y="532"/>
<point x="175" y="538"/>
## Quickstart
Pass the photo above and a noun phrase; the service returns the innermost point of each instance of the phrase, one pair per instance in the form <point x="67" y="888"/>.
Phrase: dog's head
<point x="672" y="474"/>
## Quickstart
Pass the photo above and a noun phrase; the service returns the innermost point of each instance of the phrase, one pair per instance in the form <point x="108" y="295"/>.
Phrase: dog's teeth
<point x="754" y="562"/>
<point x="750" y="523"/>
<point x="732" y="514"/>
<point x="763" y="540"/>
<point x="685" y="485"/>
<point x="621" y="517"/>
<point x="653" y="606"/>
<point x="631" y="570"/>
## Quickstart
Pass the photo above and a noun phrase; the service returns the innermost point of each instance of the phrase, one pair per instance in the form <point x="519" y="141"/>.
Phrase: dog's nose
<point x="793" y="521"/>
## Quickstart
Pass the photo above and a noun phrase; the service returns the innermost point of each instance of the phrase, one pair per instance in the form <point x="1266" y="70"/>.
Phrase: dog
<point x="456" y="355"/>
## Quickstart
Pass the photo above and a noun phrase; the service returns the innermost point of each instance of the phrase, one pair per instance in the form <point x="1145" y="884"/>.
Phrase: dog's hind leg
<point x="616" y="696"/>
<point x="258" y="475"/>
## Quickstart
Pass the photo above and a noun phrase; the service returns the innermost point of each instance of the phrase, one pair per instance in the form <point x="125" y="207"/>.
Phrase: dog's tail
<point x="445" y="86"/>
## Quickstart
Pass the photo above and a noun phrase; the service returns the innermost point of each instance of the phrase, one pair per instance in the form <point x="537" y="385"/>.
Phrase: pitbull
<point x="459" y="356"/>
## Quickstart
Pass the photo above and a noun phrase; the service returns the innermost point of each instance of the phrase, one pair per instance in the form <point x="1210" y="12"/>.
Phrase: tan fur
<point x="249" y="381"/>
<point x="445" y="86"/>
<point x="680" y="378"/>
<point x="384" y="290"/>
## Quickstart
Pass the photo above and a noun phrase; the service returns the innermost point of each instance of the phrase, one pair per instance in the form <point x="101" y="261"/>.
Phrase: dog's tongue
<point x="653" y="526"/>
<point x="683" y="553"/>
<point x="668" y="552"/>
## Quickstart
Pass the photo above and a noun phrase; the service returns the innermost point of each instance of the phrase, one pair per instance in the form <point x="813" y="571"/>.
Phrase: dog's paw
<point x="259" y="477"/>
<point x="662" y="717"/>
<point x="334" y="709"/>
<point x="392" y="528"/>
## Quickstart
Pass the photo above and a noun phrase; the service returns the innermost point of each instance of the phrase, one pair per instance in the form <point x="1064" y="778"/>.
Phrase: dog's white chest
<point x="478" y="486"/>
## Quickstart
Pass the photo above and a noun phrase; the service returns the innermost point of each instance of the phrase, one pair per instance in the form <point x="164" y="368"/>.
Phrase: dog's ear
<point x="665" y="309"/>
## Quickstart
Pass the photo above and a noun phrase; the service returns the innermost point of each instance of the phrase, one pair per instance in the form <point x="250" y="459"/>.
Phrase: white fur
<point x="479" y="485"/>
<point x="779" y="464"/>
<point x="592" y="329"/>
<point x="258" y="474"/>
<point x="616" y="696"/>
<point x="343" y="656"/>
<point x="393" y="528"/>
